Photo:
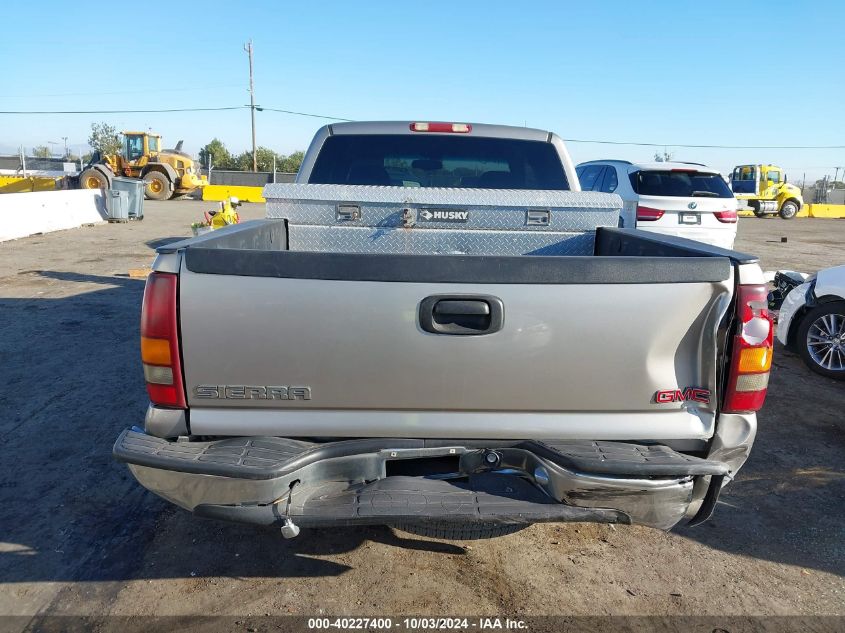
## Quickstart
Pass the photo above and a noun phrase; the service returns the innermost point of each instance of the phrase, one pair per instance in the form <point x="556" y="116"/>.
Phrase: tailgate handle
<point x="461" y="315"/>
<point x="467" y="307"/>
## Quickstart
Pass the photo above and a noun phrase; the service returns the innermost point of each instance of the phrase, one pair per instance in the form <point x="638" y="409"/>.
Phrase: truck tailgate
<point x="334" y="345"/>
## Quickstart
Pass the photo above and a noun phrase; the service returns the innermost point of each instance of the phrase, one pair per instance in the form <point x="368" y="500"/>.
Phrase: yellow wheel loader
<point x="166" y="172"/>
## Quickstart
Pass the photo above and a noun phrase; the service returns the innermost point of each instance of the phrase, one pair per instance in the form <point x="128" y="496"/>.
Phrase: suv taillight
<point x="648" y="214"/>
<point x="160" y="342"/>
<point x="751" y="359"/>
<point x="727" y="217"/>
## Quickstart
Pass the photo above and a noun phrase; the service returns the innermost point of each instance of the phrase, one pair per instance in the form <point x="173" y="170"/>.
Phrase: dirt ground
<point x="79" y="536"/>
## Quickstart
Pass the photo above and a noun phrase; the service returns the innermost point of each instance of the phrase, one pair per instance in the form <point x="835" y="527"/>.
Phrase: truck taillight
<point x="751" y="359"/>
<point x="727" y="217"/>
<point x="458" y="128"/>
<point x="648" y="214"/>
<point x="160" y="341"/>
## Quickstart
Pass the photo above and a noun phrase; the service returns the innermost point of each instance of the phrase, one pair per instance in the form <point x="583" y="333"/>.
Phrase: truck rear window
<point x="682" y="184"/>
<point x="418" y="160"/>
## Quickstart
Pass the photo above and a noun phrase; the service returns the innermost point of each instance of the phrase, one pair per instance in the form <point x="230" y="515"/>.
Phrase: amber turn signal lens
<point x="155" y="351"/>
<point x="755" y="359"/>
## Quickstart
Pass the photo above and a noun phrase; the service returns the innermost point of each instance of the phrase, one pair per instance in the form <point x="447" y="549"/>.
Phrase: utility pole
<point x="248" y="49"/>
<point x="64" y="138"/>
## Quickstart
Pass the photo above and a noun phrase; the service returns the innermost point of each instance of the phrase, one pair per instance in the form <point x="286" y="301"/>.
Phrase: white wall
<point x="23" y="214"/>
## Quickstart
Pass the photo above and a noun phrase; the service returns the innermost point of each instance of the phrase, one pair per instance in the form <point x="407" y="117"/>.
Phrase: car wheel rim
<point x="826" y="342"/>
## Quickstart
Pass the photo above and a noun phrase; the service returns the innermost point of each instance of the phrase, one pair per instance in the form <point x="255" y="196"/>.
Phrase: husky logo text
<point x="690" y="394"/>
<point x="443" y="215"/>
<point x="252" y="392"/>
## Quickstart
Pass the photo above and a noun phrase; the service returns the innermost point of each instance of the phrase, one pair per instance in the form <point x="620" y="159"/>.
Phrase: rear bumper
<point x="722" y="236"/>
<point x="274" y="481"/>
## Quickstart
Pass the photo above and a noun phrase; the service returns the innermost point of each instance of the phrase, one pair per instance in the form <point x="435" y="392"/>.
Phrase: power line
<point x="335" y="118"/>
<point x="316" y="116"/>
<point x="121" y="111"/>
<point x="259" y="108"/>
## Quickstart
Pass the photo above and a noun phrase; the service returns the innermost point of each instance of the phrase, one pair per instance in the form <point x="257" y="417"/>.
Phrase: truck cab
<point x="765" y="190"/>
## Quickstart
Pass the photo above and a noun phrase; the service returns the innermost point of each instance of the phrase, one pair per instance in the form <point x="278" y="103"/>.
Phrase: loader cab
<point x="137" y="145"/>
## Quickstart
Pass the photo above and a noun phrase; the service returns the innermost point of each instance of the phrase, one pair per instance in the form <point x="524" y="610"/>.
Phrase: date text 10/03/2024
<point x="418" y="624"/>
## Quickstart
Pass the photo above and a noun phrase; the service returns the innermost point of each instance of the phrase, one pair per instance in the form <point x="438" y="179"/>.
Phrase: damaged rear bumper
<point x="286" y="482"/>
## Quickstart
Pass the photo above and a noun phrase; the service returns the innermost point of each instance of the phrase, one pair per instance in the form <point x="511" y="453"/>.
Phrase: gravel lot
<point x="79" y="536"/>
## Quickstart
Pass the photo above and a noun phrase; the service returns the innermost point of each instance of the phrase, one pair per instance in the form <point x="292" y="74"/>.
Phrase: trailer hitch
<point x="289" y="529"/>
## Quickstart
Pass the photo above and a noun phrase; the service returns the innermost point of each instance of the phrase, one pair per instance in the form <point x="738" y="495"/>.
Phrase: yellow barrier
<point x="19" y="184"/>
<point x="242" y="193"/>
<point x="826" y="210"/>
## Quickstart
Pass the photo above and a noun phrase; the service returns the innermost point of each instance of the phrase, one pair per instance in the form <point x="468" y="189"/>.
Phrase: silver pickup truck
<point x="435" y="329"/>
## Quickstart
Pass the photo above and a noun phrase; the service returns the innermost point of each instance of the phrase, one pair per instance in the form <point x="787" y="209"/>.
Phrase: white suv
<point x="684" y="199"/>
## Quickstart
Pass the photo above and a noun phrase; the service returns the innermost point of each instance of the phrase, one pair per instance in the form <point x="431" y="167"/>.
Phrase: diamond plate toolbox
<point x="437" y="220"/>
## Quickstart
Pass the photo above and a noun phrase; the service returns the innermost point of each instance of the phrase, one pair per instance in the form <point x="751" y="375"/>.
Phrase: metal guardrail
<point x="38" y="165"/>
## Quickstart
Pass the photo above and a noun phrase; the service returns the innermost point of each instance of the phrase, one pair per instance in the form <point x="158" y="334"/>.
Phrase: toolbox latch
<point x="348" y="212"/>
<point x="538" y="217"/>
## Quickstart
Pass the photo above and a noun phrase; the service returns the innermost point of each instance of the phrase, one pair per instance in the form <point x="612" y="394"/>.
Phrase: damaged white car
<point x="812" y="322"/>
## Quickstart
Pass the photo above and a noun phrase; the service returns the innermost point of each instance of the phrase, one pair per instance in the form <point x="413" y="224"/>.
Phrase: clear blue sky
<point x="732" y="73"/>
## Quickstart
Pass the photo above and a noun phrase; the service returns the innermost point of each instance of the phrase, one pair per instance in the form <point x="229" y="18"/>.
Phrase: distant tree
<point x="42" y="151"/>
<point x="264" y="158"/>
<point x="290" y="164"/>
<point x="663" y="157"/>
<point x="220" y="156"/>
<point x="104" y="138"/>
